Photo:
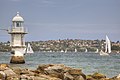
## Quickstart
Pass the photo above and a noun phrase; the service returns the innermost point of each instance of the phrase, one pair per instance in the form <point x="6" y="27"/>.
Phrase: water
<point x="88" y="62"/>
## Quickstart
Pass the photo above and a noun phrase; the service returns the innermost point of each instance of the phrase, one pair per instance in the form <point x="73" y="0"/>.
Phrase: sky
<point x="63" y="19"/>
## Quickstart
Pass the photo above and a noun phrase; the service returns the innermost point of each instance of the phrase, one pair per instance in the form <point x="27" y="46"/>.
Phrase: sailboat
<point x="75" y="50"/>
<point x="107" y="47"/>
<point x="86" y="50"/>
<point x="65" y="50"/>
<point x="102" y="53"/>
<point x="29" y="49"/>
<point x="62" y="51"/>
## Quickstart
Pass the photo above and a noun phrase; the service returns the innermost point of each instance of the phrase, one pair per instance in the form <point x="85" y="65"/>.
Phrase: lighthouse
<point x="17" y="42"/>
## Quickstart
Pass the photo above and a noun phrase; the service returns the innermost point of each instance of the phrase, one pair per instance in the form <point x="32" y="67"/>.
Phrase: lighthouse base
<point x="17" y="60"/>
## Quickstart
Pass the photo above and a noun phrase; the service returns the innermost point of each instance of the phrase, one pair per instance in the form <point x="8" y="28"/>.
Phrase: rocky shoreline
<point x="49" y="72"/>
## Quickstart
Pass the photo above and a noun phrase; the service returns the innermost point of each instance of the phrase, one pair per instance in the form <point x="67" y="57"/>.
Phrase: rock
<point x="49" y="72"/>
<point x="13" y="78"/>
<point x="55" y="71"/>
<point x="98" y="76"/>
<point x="61" y="71"/>
<point x="67" y="76"/>
<point x="17" y="60"/>
<point x="25" y="77"/>
<point x="9" y="72"/>
<point x="3" y="76"/>
<point x="3" y="67"/>
<point x="115" y="77"/>
<point x="118" y="76"/>
<point x="89" y="77"/>
<point x="79" y="78"/>
<point x="17" y="71"/>
<point x="75" y="71"/>
<point x="25" y="71"/>
<point x="42" y="67"/>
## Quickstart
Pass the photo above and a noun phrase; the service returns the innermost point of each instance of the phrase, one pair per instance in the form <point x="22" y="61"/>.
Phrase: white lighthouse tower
<point x="17" y="44"/>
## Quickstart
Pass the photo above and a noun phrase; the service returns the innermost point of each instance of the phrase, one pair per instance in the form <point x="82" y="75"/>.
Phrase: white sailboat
<point x="29" y="49"/>
<point x="62" y="51"/>
<point x="102" y="53"/>
<point x="107" y="47"/>
<point x="65" y="50"/>
<point x="86" y="50"/>
<point x="75" y="50"/>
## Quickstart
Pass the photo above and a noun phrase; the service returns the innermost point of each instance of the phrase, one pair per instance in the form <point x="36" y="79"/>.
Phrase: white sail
<point x="29" y="49"/>
<point x="96" y="51"/>
<point x="75" y="50"/>
<point x="86" y="50"/>
<point x="62" y="51"/>
<point x="66" y="51"/>
<point x="108" y="45"/>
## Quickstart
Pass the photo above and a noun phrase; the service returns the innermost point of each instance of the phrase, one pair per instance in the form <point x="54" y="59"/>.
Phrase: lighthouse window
<point x="17" y="24"/>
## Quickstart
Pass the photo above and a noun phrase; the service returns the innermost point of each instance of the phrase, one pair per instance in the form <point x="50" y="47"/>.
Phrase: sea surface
<point x="88" y="62"/>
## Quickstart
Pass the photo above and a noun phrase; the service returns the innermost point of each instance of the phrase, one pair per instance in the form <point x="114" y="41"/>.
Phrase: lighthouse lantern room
<point x="17" y="43"/>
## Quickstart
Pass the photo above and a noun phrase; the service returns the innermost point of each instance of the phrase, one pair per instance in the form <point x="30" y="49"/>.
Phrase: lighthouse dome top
<point x="18" y="18"/>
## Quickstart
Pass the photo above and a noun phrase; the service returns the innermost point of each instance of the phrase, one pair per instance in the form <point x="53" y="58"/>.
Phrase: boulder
<point x="79" y="78"/>
<point x="3" y="76"/>
<point x="98" y="76"/>
<point x="75" y="71"/>
<point x="9" y="72"/>
<point x="118" y="76"/>
<point x="115" y="77"/>
<point x="13" y="78"/>
<point x="25" y="77"/>
<point x="3" y="67"/>
<point x="42" y="67"/>
<point x="67" y="76"/>
<point x="89" y="77"/>
<point x="55" y="71"/>
<point x="18" y="71"/>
